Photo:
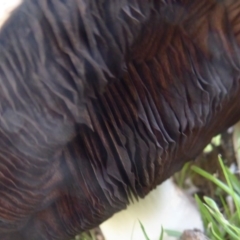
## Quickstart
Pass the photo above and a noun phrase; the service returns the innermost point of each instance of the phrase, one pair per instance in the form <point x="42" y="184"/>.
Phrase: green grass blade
<point x="143" y="230"/>
<point x="172" y="233"/>
<point x="233" y="194"/>
<point x="162" y="233"/>
<point x="210" y="177"/>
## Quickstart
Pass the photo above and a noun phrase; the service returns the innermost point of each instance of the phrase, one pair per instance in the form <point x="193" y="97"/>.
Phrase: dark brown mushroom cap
<point x="104" y="99"/>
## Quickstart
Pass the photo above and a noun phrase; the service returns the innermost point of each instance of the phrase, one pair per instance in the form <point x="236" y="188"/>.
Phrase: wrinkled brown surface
<point x="100" y="98"/>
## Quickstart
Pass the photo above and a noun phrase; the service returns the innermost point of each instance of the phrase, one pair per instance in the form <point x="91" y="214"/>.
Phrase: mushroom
<point x="103" y="100"/>
<point x="167" y="207"/>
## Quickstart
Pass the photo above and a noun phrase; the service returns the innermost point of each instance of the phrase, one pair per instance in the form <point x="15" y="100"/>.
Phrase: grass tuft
<point x="221" y="222"/>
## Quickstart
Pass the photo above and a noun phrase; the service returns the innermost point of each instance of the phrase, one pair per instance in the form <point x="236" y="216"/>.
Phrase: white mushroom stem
<point x="6" y="8"/>
<point x="166" y="206"/>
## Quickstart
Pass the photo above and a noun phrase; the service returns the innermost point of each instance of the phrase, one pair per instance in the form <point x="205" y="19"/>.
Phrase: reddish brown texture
<point x="101" y="99"/>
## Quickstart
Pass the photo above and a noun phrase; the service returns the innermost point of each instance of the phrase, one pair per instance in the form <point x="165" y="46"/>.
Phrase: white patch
<point x="166" y="206"/>
<point x="6" y="8"/>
